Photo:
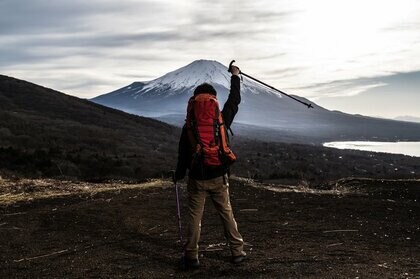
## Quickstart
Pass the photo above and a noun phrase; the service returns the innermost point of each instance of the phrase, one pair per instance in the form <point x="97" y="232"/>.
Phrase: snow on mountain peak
<point x="188" y="77"/>
<point x="192" y="75"/>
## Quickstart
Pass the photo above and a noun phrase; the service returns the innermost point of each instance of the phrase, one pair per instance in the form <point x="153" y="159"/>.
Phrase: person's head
<point x="205" y="88"/>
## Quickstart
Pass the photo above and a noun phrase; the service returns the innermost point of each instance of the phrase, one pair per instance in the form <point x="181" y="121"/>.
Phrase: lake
<point x="402" y="147"/>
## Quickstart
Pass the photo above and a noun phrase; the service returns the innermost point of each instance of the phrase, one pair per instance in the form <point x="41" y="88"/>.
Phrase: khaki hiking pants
<point x="218" y="190"/>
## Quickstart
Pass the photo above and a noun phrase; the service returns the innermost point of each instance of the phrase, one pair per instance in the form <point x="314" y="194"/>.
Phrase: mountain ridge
<point x="165" y="98"/>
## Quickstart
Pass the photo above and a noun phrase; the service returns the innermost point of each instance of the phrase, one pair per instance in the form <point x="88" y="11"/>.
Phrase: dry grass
<point x="343" y="186"/>
<point x="23" y="190"/>
<point x="302" y="187"/>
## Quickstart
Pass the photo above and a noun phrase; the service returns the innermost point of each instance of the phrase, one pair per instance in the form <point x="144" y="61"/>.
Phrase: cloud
<point x="340" y="88"/>
<point x="41" y="16"/>
<point x="281" y="72"/>
<point x="398" y="81"/>
<point x="100" y="45"/>
<point x="406" y="26"/>
<point x="230" y="13"/>
<point x="43" y="32"/>
<point x="397" y="95"/>
<point x="98" y="40"/>
<point x="258" y="57"/>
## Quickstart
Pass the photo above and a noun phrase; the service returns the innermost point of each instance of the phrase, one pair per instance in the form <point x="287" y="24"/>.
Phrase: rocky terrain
<point x="356" y="228"/>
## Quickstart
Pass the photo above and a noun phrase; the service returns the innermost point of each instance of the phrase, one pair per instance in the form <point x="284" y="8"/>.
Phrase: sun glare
<point x="344" y="39"/>
<point x="342" y="29"/>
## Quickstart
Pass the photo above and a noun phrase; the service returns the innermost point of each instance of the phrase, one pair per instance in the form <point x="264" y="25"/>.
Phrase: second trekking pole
<point x="269" y="86"/>
<point x="178" y="210"/>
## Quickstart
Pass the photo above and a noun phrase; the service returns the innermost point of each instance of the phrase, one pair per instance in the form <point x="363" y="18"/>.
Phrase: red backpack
<point x="207" y="132"/>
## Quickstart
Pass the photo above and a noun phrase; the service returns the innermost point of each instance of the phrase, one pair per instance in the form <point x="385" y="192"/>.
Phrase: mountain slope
<point x="45" y="132"/>
<point x="169" y="93"/>
<point x="166" y="97"/>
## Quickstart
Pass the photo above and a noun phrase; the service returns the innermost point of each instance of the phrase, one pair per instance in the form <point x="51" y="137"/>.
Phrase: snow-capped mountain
<point x="166" y="98"/>
<point x="187" y="77"/>
<point x="168" y="94"/>
<point x="192" y="75"/>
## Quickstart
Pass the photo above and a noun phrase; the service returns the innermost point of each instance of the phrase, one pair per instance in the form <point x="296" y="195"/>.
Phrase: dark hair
<point x="205" y="88"/>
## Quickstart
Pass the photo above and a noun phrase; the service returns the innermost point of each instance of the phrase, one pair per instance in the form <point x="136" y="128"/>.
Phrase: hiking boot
<point x="191" y="263"/>
<point x="239" y="259"/>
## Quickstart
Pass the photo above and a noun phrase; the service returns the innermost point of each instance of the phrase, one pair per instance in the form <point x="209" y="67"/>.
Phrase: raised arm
<point x="231" y="106"/>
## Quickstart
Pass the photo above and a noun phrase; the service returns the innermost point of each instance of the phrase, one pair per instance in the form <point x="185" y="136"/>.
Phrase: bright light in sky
<point x="322" y="50"/>
<point x="347" y="39"/>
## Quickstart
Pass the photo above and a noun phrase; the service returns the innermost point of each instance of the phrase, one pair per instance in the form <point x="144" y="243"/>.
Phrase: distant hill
<point x="47" y="133"/>
<point x="283" y="119"/>
<point x="408" y="118"/>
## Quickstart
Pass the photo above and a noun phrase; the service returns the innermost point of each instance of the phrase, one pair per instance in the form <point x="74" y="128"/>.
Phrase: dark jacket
<point x="200" y="172"/>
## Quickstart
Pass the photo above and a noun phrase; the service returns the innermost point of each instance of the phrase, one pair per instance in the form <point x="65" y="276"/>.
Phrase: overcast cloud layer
<point x="322" y="50"/>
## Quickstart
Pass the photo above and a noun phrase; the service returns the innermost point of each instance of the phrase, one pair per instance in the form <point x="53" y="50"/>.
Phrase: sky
<point x="359" y="56"/>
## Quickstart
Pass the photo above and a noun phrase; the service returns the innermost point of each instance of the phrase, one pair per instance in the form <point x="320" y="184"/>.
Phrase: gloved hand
<point x="235" y="71"/>
<point x="179" y="175"/>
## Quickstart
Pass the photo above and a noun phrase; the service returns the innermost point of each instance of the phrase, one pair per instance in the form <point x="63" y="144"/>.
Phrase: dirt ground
<point x="356" y="229"/>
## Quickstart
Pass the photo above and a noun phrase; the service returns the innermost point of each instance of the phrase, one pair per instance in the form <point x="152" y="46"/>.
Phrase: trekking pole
<point x="178" y="209"/>
<point x="269" y="86"/>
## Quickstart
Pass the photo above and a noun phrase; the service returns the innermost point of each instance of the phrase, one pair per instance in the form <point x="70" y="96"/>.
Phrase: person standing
<point x="204" y="151"/>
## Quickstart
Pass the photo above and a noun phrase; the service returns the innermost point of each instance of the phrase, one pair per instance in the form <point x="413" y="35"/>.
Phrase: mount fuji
<point x="263" y="113"/>
<point x="169" y="94"/>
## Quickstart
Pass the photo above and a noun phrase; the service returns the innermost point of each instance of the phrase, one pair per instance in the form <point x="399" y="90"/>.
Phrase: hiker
<point x="204" y="150"/>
